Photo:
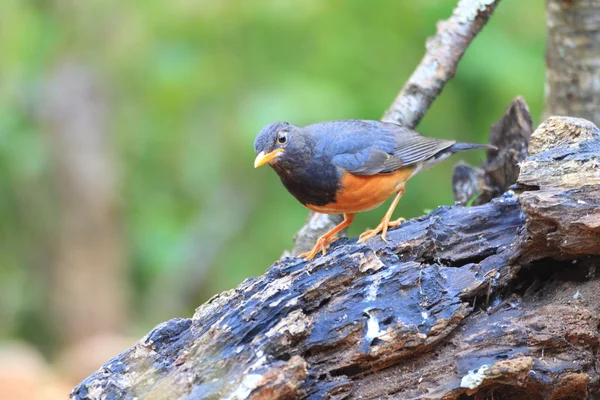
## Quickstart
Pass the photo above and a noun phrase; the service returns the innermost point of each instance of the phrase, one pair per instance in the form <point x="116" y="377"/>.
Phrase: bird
<point x="349" y="166"/>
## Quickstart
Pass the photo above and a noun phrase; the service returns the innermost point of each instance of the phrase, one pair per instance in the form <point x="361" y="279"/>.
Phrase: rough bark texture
<point x="443" y="53"/>
<point x="564" y="171"/>
<point x="84" y="300"/>
<point x="573" y="58"/>
<point x="510" y="135"/>
<point x="496" y="301"/>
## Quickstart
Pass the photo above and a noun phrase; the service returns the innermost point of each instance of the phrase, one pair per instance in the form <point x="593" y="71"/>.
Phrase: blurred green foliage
<point x="190" y="84"/>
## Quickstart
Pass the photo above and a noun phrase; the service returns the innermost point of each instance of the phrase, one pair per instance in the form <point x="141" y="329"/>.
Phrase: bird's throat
<point x="316" y="185"/>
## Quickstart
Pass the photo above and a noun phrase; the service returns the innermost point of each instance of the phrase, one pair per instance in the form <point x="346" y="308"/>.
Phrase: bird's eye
<point x="282" y="137"/>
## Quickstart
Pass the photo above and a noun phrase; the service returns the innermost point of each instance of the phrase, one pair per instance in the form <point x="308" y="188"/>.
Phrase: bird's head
<point x="281" y="145"/>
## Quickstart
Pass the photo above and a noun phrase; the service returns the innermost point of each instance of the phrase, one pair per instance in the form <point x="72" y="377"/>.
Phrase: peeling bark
<point x="465" y="302"/>
<point x="564" y="167"/>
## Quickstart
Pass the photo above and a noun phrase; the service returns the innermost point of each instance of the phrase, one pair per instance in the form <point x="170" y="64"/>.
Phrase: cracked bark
<point x="496" y="300"/>
<point x="443" y="53"/>
<point x="573" y="59"/>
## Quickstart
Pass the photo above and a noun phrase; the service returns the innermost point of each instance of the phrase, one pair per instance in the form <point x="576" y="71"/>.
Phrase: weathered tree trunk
<point x="573" y="59"/>
<point x="496" y="301"/>
<point x="88" y="279"/>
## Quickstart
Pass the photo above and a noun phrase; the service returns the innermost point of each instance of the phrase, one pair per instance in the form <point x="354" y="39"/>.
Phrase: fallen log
<point x="500" y="301"/>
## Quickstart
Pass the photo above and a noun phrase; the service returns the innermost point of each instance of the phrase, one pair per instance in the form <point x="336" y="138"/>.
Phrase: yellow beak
<point x="262" y="158"/>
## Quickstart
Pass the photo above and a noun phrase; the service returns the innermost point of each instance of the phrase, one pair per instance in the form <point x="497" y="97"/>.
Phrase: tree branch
<point x="438" y="66"/>
<point x="463" y="301"/>
<point x="443" y="52"/>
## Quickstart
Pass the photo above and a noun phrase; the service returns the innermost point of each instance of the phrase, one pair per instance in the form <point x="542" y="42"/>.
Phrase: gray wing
<point x="413" y="148"/>
<point x="373" y="147"/>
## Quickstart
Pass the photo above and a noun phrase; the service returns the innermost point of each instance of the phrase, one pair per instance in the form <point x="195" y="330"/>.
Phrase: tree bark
<point x="496" y="301"/>
<point x="573" y="59"/>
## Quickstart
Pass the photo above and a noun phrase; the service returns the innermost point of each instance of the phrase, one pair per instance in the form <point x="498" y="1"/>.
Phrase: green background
<point x="190" y="84"/>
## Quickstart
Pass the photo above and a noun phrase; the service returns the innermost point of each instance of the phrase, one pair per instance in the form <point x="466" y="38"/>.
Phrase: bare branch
<point x="438" y="66"/>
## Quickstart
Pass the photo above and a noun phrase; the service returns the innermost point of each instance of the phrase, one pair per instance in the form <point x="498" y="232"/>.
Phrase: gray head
<point x="282" y="144"/>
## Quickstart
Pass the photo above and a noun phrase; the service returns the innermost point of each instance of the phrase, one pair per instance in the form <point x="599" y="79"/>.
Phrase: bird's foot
<point x="321" y="245"/>
<point x="382" y="227"/>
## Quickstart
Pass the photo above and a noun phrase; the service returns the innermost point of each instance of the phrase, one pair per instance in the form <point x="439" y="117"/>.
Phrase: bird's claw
<point x="397" y="222"/>
<point x="382" y="227"/>
<point x="321" y="245"/>
<point x="366" y="235"/>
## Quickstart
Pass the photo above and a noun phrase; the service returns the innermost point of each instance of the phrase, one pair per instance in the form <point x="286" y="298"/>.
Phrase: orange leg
<point x="385" y="222"/>
<point x="328" y="238"/>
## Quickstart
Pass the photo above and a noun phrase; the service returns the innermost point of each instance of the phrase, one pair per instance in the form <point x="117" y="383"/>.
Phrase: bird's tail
<point x="447" y="152"/>
<point x="456" y="147"/>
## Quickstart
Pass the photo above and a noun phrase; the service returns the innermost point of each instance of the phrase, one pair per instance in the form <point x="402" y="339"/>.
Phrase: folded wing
<point x="373" y="147"/>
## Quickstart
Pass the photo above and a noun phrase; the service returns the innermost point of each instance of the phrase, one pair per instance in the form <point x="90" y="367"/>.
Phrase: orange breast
<point x="363" y="193"/>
